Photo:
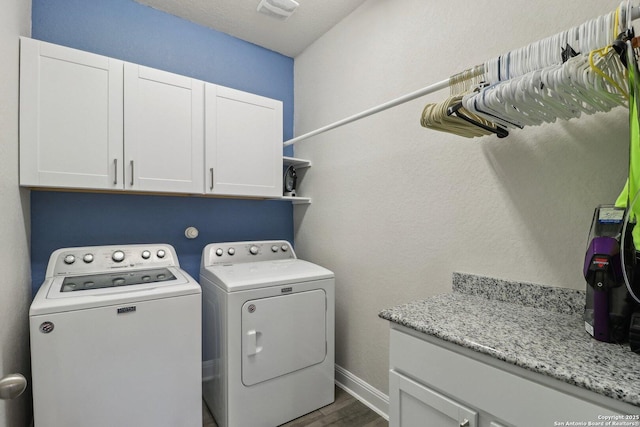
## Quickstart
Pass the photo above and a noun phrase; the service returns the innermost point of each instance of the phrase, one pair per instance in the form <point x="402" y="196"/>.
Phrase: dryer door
<point x="283" y="334"/>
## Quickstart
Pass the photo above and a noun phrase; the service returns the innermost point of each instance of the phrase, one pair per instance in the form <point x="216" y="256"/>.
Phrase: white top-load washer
<point x="116" y="339"/>
<point x="268" y="333"/>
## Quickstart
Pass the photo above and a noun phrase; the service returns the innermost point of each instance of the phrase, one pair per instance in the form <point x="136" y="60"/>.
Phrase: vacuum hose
<point x="622" y="246"/>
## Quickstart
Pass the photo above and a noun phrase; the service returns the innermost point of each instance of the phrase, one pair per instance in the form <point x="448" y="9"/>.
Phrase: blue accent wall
<point x="136" y="33"/>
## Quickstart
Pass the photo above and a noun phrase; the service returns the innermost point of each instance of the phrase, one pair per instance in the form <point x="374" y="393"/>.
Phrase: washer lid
<point x="252" y="275"/>
<point x="68" y="293"/>
<point x="118" y="279"/>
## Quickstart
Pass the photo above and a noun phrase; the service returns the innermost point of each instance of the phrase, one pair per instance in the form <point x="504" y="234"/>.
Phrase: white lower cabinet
<point x="414" y="404"/>
<point x="436" y="383"/>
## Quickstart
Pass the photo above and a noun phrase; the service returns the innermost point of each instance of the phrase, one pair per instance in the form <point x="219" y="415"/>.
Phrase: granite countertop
<point x="539" y="328"/>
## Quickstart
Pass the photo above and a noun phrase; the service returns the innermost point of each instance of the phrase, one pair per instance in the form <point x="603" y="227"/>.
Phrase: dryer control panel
<point x="92" y="259"/>
<point x="237" y="252"/>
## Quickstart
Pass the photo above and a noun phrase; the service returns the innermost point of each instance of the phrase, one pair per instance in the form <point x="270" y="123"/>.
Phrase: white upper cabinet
<point x="92" y="122"/>
<point x="243" y="143"/>
<point x="70" y="117"/>
<point x="163" y="131"/>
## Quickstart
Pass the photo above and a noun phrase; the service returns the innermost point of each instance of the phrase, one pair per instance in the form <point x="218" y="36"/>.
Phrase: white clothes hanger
<point x="559" y="91"/>
<point x="531" y="85"/>
<point x="591" y="35"/>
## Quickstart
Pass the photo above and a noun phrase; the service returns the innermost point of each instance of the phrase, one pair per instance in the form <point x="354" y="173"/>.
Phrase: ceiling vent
<point x="280" y="9"/>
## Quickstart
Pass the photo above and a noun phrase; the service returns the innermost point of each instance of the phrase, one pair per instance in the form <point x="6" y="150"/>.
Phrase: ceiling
<point x="240" y="19"/>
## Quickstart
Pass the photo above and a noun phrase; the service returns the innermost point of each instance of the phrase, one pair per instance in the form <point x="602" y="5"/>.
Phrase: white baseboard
<point x="376" y="400"/>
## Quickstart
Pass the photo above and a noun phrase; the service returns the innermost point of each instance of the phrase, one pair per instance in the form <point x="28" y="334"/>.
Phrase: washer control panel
<point x="236" y="252"/>
<point x="91" y="259"/>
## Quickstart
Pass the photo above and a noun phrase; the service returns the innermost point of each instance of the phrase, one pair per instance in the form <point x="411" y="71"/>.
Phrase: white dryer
<point x="116" y="340"/>
<point x="268" y="333"/>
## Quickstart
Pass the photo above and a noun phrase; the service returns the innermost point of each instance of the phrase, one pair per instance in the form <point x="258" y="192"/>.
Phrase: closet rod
<point x="406" y="98"/>
<point x="635" y="14"/>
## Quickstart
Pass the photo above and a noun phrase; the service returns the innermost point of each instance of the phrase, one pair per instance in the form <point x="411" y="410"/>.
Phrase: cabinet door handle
<point x="464" y="423"/>
<point x="132" y="173"/>
<point x="115" y="171"/>
<point x="211" y="171"/>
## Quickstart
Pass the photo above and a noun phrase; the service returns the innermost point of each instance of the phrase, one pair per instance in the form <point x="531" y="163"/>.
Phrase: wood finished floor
<point x="346" y="411"/>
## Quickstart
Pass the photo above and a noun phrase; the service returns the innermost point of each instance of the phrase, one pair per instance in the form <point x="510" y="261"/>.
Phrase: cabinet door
<point x="414" y="405"/>
<point x="243" y="149"/>
<point x="163" y="131"/>
<point x="70" y="117"/>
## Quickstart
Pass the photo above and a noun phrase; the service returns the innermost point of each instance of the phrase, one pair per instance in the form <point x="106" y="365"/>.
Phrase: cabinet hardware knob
<point x="464" y="423"/>
<point x="211" y="170"/>
<point x="115" y="171"/>
<point x="132" y="173"/>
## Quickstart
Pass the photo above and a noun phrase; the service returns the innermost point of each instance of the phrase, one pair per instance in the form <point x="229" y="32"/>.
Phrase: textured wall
<point x="132" y="32"/>
<point x="15" y="295"/>
<point x="398" y="208"/>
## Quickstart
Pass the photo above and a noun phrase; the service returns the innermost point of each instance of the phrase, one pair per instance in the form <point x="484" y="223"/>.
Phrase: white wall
<point x="397" y="208"/>
<point x="15" y="286"/>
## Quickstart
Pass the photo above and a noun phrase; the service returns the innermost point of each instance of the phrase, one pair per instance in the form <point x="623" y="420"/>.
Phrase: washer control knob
<point x="231" y="251"/>
<point x="88" y="258"/>
<point x="146" y="254"/>
<point x="254" y="250"/>
<point x="274" y="248"/>
<point x="117" y="256"/>
<point x="284" y="248"/>
<point x="161" y="253"/>
<point x="69" y="259"/>
<point x="219" y="252"/>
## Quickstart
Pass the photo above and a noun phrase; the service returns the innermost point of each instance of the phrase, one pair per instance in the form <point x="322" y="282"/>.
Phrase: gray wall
<point x="15" y="293"/>
<point x="397" y="208"/>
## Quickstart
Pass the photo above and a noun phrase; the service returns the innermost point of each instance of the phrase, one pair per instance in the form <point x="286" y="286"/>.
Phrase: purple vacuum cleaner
<point x="606" y="315"/>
